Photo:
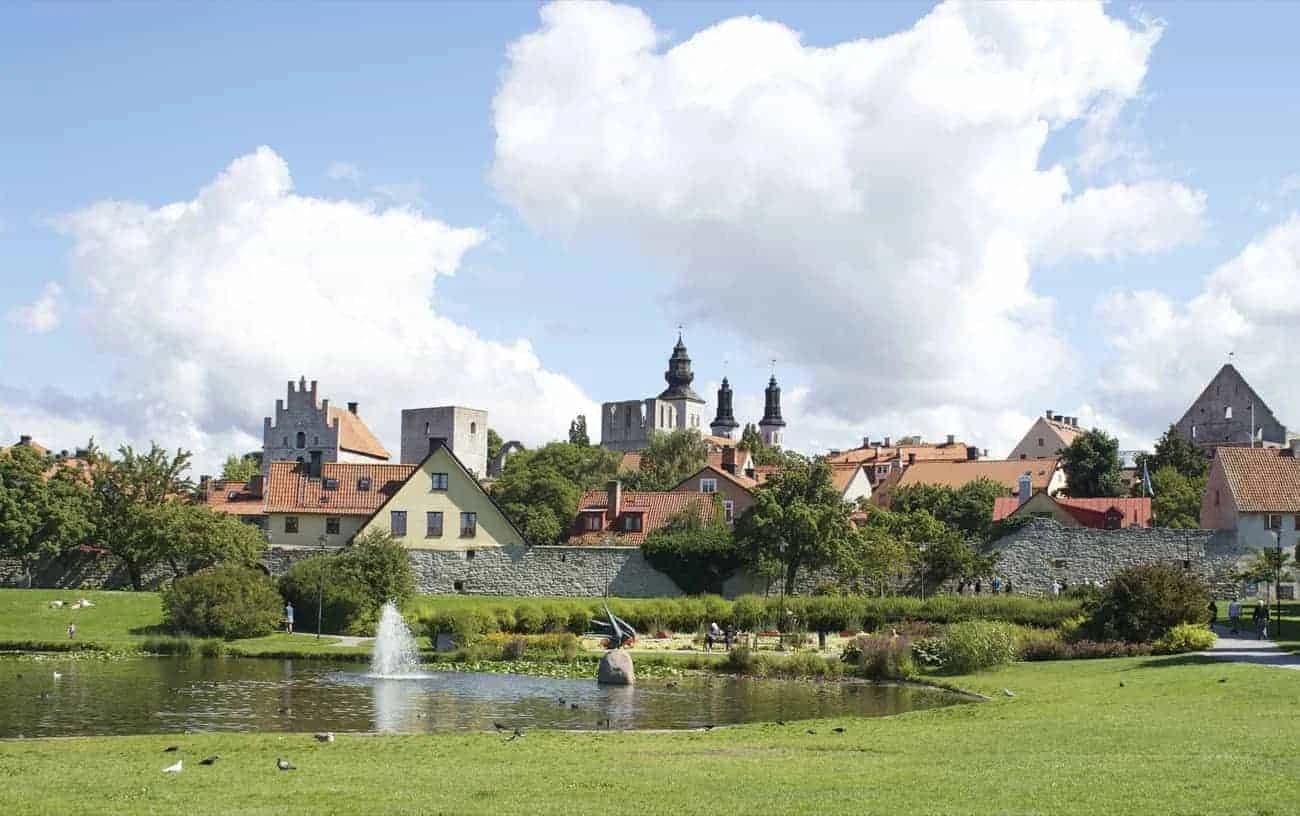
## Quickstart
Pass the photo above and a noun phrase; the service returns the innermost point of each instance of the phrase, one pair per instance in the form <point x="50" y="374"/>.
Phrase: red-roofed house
<point x="1099" y="514"/>
<point x="308" y="511"/>
<point x="736" y="492"/>
<point x="242" y="500"/>
<point x="618" y="517"/>
<point x="1255" y="491"/>
<point x="311" y="431"/>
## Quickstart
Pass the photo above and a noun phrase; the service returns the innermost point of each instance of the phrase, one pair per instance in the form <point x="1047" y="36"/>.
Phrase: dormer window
<point x="591" y="521"/>
<point x="438" y="481"/>
<point x="631" y="522"/>
<point x="331" y="484"/>
<point x="363" y="484"/>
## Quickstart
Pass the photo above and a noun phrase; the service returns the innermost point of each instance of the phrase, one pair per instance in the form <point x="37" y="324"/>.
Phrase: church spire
<point x="679" y="375"/>
<point x="772" y="423"/>
<point x="725" y="422"/>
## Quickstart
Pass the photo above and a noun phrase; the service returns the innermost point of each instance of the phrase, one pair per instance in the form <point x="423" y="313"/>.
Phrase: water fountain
<point x="395" y="655"/>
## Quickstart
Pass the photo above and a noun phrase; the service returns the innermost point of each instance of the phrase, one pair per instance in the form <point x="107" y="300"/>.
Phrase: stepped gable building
<point x="1230" y="412"/>
<point x="314" y="432"/>
<point x="627" y="425"/>
<point x="1050" y="434"/>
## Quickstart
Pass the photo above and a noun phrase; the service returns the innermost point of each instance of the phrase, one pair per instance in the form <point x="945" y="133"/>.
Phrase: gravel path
<point x="1243" y="648"/>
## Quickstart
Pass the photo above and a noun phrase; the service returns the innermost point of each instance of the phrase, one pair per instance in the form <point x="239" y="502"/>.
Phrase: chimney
<point x="1026" y="488"/>
<point x="352" y="408"/>
<point x="729" y="459"/>
<point x="911" y="458"/>
<point x="203" y="483"/>
<point x="887" y="442"/>
<point x="866" y="441"/>
<point x="1074" y="421"/>
<point x="25" y="439"/>
<point x="952" y="439"/>
<point x="1050" y="414"/>
<point x="614" y="501"/>
<point x="972" y="453"/>
<point x="255" y="485"/>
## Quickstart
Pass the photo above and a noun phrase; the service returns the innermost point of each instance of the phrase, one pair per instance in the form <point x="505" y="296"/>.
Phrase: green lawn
<point x="1171" y="739"/>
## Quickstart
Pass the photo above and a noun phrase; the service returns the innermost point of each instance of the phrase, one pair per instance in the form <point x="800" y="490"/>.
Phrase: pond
<point x="152" y="695"/>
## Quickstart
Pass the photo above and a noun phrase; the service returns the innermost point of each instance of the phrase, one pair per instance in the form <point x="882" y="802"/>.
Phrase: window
<point x="729" y="510"/>
<point x="1193" y="431"/>
<point x="291" y="524"/>
<point x="1040" y="441"/>
<point x="433" y="524"/>
<point x="469" y="555"/>
<point x="286" y="441"/>
<point x="708" y="485"/>
<point x="468" y="525"/>
<point x="1296" y="522"/>
<point x="315" y="440"/>
<point x="473" y="427"/>
<point x="331" y="525"/>
<point x="397" y="523"/>
<point x="1024" y="456"/>
<point x="426" y="429"/>
<point x="631" y="522"/>
<point x="627" y="419"/>
<point x="1113" y="519"/>
<point x="301" y="440"/>
<point x="1227" y="412"/>
<point x="363" y="484"/>
<point x="331" y="484"/>
<point x="1216" y="498"/>
<point x="1273" y="521"/>
<point x="459" y="586"/>
<point x="439" y="481"/>
<point x="591" y="521"/>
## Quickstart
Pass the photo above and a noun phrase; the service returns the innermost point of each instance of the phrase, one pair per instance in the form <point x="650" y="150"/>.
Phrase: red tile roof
<point x="842" y="474"/>
<point x="232" y="497"/>
<point x="1005" y="471"/>
<point x="924" y="452"/>
<point x="1134" y="512"/>
<point x="1261" y="480"/>
<point x="290" y="490"/>
<point x="743" y="482"/>
<point x="354" y="436"/>
<point x="655" y="508"/>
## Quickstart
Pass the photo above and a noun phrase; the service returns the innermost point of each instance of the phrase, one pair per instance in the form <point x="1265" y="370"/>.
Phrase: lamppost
<point x="780" y="625"/>
<point x="320" y="585"/>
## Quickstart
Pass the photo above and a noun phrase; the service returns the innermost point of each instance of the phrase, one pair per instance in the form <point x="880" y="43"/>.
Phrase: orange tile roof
<point x="741" y="481"/>
<point x="1005" y="471"/>
<point x="354" y="436"/>
<point x="924" y="452"/>
<point x="290" y="490"/>
<point x="1261" y="480"/>
<point x="1089" y="512"/>
<point x="764" y="472"/>
<point x="656" y="509"/>
<point x="232" y="497"/>
<point x="842" y="474"/>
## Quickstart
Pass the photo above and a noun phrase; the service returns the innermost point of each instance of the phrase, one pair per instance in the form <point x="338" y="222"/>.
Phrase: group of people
<point x="976" y="586"/>
<point x="1258" y="618"/>
<point x="716" y="634"/>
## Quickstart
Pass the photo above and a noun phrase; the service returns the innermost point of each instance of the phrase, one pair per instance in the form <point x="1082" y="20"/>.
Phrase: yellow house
<point x="326" y="510"/>
<point x="441" y="506"/>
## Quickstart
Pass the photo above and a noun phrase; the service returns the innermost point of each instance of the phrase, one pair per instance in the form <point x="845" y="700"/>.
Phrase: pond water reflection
<point x="151" y="695"/>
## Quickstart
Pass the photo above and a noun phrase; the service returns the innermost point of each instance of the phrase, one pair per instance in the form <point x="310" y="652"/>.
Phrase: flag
<point x="1146" y="480"/>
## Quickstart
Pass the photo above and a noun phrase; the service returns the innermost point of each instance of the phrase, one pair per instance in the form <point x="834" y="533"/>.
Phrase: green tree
<point x="1173" y="450"/>
<point x="130" y="494"/>
<point x="881" y="555"/>
<point x="578" y="431"/>
<point x="241" y="468"/>
<point x="937" y="551"/>
<point x="196" y="537"/>
<point x="698" y="555"/>
<point x="1092" y="467"/>
<point x="1177" y="499"/>
<point x="1265" y="566"/>
<point x="967" y="510"/>
<point x="41" y="516"/>
<point x="539" y="489"/>
<point x="494" y="444"/>
<point x="670" y="458"/>
<point x="751" y="439"/>
<point x="797" y="522"/>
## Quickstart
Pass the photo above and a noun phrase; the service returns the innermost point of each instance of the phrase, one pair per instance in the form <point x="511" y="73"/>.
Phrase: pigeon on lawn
<point x="780" y="722"/>
<point x="285" y="765"/>
<point x="326" y="736"/>
<point x="518" y="733"/>
<point x="498" y="726"/>
<point x="212" y="760"/>
<point x="174" y="768"/>
<point x="573" y="706"/>
<point x="839" y="729"/>
<point x="171" y="749"/>
<point x="810" y="731"/>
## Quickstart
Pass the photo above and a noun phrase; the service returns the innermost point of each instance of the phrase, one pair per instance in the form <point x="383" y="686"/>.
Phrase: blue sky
<point x="394" y="105"/>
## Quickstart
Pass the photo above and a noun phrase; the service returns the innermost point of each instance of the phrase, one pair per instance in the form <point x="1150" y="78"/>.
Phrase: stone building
<point x="463" y="430"/>
<point x="314" y="432"/>
<point x="1050" y="434"/>
<point x="1230" y="412"/>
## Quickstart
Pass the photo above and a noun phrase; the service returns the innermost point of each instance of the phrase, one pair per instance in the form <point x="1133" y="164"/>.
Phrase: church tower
<point x="684" y="403"/>
<point x="772" y="423"/>
<point x="724" y="424"/>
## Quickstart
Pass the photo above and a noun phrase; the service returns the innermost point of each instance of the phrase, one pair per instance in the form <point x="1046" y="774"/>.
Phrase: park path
<point x="1246" y="649"/>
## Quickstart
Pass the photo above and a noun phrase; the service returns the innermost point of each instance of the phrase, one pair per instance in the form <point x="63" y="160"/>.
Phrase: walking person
<point x="72" y="631"/>
<point x="1260" y="619"/>
<point x="1234" y="616"/>
<point x="997" y="584"/>
<point x="712" y="636"/>
<point x="1214" y="612"/>
<point x="288" y="618"/>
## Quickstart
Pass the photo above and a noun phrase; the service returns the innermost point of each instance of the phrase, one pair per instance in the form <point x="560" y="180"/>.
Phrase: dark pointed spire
<point x="772" y="405"/>
<point x="725" y="422"/>
<point x="679" y="375"/>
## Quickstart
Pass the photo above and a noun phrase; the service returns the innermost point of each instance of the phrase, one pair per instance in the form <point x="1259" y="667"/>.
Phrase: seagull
<point x="285" y="765"/>
<point x="174" y="768"/>
<point x="1009" y="692"/>
<point x="58" y="675"/>
<point x="327" y="736"/>
<point x="212" y="760"/>
<point x="171" y="748"/>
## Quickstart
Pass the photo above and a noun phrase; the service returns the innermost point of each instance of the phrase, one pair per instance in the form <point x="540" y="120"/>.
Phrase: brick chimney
<point x="729" y="459"/>
<point x="25" y="439"/>
<point x="352" y="408"/>
<point x="614" y="499"/>
<point x="887" y="443"/>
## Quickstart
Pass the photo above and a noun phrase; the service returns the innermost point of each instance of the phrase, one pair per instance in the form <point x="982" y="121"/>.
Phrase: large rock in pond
<point x="616" y="669"/>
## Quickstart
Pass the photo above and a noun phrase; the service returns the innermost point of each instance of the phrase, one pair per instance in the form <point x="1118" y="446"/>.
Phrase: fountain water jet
<point x="395" y="655"/>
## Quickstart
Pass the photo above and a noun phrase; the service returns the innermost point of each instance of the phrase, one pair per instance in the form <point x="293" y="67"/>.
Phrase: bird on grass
<point x="1223" y="679"/>
<point x="326" y="736"/>
<point x="285" y="765"/>
<point x="1009" y="692"/>
<point x="1121" y="684"/>
<point x="708" y="727"/>
<point x="498" y="726"/>
<point x="573" y="706"/>
<point x="563" y="701"/>
<point x="810" y="731"/>
<point x="839" y="729"/>
<point x="212" y="760"/>
<point x="780" y="722"/>
<point x="519" y="733"/>
<point x="670" y="684"/>
<point x="171" y="749"/>
<point x="177" y="768"/>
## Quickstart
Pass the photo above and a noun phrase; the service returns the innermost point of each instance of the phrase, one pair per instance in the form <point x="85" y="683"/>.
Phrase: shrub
<point x="342" y="601"/>
<point x="974" y="645"/>
<point x="878" y="657"/>
<point x="740" y="660"/>
<point x="1044" y="647"/>
<point x="1185" y="637"/>
<point x="467" y="626"/>
<point x="354" y="583"/>
<point x="696" y="554"/>
<point x="749" y="613"/>
<point x="1144" y="602"/>
<point x="225" y="601"/>
<point x="514" y="648"/>
<point x="529" y="619"/>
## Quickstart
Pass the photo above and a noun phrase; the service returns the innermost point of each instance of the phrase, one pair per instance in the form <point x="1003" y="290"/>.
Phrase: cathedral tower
<point x="724" y="424"/>
<point x="772" y="423"/>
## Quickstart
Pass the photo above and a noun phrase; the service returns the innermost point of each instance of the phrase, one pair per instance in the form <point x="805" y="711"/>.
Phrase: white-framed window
<point x="1227" y="412"/>
<point x="631" y="522"/>
<point x="438" y="481"/>
<point x="397" y="523"/>
<point x="433" y="524"/>
<point x="468" y="525"/>
<point x="591" y="521"/>
<point x="729" y="510"/>
<point x="708" y="485"/>
<point x="1273" y="521"/>
<point x="291" y="524"/>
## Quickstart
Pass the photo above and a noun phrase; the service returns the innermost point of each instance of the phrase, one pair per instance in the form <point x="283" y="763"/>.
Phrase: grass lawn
<point x="1172" y="739"/>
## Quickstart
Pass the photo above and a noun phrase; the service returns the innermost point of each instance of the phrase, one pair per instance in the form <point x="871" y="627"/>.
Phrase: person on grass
<point x="288" y="618"/>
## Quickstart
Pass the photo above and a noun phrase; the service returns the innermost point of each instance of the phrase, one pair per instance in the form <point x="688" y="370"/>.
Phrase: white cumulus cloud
<point x="41" y="315"/>
<point x="869" y="211"/>
<point x="208" y="306"/>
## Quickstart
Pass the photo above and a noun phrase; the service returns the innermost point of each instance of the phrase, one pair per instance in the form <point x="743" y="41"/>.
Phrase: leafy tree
<point x="1092" y="467"/>
<point x="196" y="537"/>
<point x="881" y="555"/>
<point x="670" y="458"/>
<point x="1142" y="603"/>
<point x="797" y="522"/>
<point x="696" y="554"/>
<point x="938" y="551"/>
<point x="351" y="585"/>
<point x="578" y="431"/>
<point x="241" y="468"/>
<point x="539" y="489"/>
<point x="751" y="439"/>
<point x="494" y="444"/>
<point x="1266" y="564"/>
<point x="1177" y="500"/>
<point x="1175" y="451"/>
<point x="131" y="492"/>
<point x="229" y="601"/>
<point x="41" y="516"/>
<point x="967" y="510"/>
